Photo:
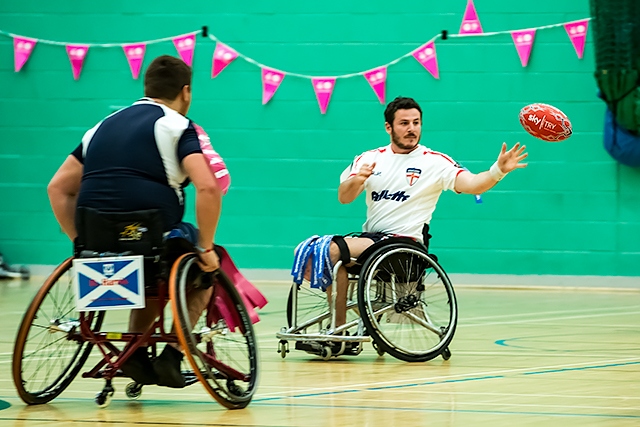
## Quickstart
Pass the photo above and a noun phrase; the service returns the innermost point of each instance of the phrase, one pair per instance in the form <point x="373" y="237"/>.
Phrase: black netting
<point x="616" y="35"/>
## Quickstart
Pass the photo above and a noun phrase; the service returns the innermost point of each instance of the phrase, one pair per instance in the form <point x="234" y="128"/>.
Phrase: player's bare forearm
<point x="208" y="197"/>
<point x="508" y="161"/>
<point x="350" y="189"/>
<point x="470" y="183"/>
<point x="208" y="207"/>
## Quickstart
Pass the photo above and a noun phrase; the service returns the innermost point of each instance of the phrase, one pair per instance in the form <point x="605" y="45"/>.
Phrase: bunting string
<point x="289" y="73"/>
<point x="309" y="76"/>
<point x="406" y="55"/>
<point x="55" y="43"/>
<point x="323" y="86"/>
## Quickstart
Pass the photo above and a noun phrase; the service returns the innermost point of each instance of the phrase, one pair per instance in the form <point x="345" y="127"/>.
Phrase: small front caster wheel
<point x="103" y="399"/>
<point x="283" y="348"/>
<point x="326" y="353"/>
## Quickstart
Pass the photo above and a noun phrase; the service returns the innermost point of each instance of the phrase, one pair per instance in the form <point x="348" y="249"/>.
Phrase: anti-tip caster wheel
<point x="446" y="354"/>
<point x="133" y="390"/>
<point x="379" y="350"/>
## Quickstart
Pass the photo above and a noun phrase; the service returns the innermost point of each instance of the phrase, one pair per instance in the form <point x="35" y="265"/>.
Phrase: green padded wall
<point x="572" y="211"/>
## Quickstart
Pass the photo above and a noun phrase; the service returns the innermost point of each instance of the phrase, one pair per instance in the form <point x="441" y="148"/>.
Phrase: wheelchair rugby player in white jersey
<point x="382" y="284"/>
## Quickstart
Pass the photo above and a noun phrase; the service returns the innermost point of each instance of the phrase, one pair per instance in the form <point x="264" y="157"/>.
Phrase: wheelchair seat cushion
<point x="387" y="239"/>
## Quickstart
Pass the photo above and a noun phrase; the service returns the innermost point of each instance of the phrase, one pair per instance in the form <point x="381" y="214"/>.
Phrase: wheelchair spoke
<point x="408" y="302"/>
<point x="220" y="347"/>
<point x="45" y="360"/>
<point x="422" y="322"/>
<point x="228" y="371"/>
<point x="376" y="314"/>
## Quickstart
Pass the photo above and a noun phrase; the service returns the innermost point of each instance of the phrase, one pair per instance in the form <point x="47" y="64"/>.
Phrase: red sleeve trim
<point x="442" y="155"/>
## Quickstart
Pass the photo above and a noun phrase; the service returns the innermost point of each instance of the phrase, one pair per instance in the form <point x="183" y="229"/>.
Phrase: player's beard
<point x="397" y="141"/>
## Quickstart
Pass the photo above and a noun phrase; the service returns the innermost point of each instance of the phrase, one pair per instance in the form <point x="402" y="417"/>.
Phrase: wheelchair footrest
<point x="288" y="335"/>
<point x="313" y="347"/>
<point x="316" y="347"/>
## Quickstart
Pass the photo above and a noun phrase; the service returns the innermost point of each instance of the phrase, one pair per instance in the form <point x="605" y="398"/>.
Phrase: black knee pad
<point x="345" y="253"/>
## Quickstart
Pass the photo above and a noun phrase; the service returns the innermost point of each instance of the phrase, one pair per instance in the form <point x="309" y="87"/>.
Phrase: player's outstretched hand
<point x="366" y="171"/>
<point x="510" y="160"/>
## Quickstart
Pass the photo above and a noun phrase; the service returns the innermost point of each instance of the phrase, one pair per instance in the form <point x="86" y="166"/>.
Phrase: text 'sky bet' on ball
<point x="545" y="122"/>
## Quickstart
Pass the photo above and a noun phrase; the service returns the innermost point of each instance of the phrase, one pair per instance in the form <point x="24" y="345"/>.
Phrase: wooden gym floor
<point x="521" y="357"/>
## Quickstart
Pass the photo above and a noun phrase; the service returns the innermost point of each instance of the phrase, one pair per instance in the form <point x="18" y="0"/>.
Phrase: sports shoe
<point x="346" y="348"/>
<point x="139" y="367"/>
<point x="167" y="368"/>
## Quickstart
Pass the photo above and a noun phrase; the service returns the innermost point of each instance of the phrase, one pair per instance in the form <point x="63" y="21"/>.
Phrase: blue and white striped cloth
<point x="316" y="249"/>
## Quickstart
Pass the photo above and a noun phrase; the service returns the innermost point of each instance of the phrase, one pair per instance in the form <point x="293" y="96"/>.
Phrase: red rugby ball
<point x="545" y="122"/>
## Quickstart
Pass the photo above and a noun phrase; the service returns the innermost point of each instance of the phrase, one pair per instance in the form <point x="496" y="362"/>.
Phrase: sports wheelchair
<point x="55" y="338"/>
<point x="399" y="298"/>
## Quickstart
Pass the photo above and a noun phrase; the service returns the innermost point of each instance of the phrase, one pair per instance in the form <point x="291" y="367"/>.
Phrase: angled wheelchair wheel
<point x="221" y="346"/>
<point x="311" y="304"/>
<point x="312" y="315"/>
<point x="49" y="350"/>
<point x="407" y="302"/>
<point x="312" y="309"/>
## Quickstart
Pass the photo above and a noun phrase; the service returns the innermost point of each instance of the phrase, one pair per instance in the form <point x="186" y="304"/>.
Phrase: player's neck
<point x="171" y="104"/>
<point x="399" y="150"/>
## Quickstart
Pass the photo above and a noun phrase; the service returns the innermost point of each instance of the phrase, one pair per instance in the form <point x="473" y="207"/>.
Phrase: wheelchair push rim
<point x="224" y="359"/>
<point x="49" y="350"/>
<point x="407" y="303"/>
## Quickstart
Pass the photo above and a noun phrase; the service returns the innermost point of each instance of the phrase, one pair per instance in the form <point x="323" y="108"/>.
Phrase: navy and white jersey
<point x="133" y="161"/>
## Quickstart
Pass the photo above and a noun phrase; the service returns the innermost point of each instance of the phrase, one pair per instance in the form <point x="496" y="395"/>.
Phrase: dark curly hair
<point x="400" y="103"/>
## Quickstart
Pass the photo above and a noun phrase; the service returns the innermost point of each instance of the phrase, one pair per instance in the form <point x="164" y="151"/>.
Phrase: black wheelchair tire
<point x="368" y="317"/>
<point x="68" y="371"/>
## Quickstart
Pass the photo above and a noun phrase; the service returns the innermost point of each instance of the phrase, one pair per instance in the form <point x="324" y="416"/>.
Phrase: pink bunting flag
<point x="377" y="78"/>
<point x="77" y="53"/>
<point x="22" y="48"/>
<point x="271" y="80"/>
<point x="426" y="55"/>
<point x="185" y="46"/>
<point x="470" y="22"/>
<point x="524" y="42"/>
<point x="222" y="56"/>
<point x="135" y="56"/>
<point x="323" y="88"/>
<point x="578" y="34"/>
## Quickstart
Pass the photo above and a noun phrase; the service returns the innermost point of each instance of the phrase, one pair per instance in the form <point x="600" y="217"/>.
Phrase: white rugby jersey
<point x="403" y="190"/>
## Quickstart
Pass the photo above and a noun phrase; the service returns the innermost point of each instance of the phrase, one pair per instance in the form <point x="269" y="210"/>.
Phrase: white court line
<point x="365" y="386"/>
<point x="540" y="313"/>
<point x="516" y="353"/>
<point x="549" y="319"/>
<point x="526" y="395"/>
<point x="507" y="353"/>
<point x="500" y="372"/>
<point x="457" y="403"/>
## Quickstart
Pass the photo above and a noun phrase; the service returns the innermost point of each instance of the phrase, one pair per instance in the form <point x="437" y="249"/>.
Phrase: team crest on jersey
<point x="413" y="174"/>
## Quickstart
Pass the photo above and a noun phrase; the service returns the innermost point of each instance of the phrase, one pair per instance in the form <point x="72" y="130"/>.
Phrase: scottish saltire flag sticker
<point x="109" y="283"/>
